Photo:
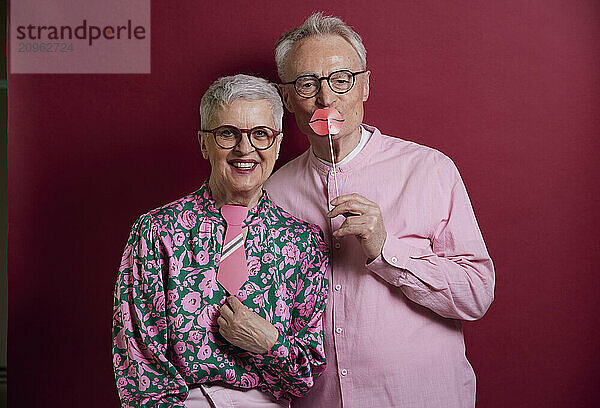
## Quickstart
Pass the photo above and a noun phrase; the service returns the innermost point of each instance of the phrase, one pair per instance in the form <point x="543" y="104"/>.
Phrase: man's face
<point x="320" y="56"/>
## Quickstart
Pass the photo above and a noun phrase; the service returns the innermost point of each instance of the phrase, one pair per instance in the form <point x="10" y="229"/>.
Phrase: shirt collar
<point x="209" y="206"/>
<point x="364" y="138"/>
<point x="362" y="157"/>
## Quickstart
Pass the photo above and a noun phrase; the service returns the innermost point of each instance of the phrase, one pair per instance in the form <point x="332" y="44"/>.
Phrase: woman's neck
<point x="222" y="197"/>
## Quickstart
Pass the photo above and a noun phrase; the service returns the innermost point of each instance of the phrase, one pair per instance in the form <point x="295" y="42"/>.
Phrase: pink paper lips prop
<point x="327" y="121"/>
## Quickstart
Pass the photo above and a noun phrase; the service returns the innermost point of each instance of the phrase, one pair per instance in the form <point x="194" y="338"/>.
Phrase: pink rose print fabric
<point x="166" y="303"/>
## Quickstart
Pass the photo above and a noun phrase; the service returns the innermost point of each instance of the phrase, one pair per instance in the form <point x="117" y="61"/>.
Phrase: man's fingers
<point x="353" y="207"/>
<point x="363" y="220"/>
<point x="343" y="208"/>
<point x="342" y="232"/>
<point x="352" y="197"/>
<point x="352" y="226"/>
<point x="221" y="321"/>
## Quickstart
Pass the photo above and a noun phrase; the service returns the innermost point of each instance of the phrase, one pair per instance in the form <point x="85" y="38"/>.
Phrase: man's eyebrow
<point x="332" y="71"/>
<point x="306" y="73"/>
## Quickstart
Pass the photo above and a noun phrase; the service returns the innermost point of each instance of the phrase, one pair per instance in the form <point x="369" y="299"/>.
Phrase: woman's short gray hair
<point x="227" y="89"/>
<point x="317" y="24"/>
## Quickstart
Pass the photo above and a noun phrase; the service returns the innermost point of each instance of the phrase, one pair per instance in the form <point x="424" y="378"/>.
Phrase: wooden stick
<point x="337" y="190"/>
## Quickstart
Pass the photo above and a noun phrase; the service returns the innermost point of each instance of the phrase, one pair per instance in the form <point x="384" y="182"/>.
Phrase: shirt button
<point x="394" y="259"/>
<point x="338" y="330"/>
<point x="338" y="287"/>
<point x="344" y="371"/>
<point x="337" y="245"/>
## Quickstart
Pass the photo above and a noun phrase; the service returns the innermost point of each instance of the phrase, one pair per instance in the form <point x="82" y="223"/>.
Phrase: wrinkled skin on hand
<point x="244" y="328"/>
<point x="363" y="220"/>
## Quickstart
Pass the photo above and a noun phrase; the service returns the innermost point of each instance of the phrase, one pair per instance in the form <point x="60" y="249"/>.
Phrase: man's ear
<point x="285" y="96"/>
<point x="202" y="141"/>
<point x="366" y="85"/>
<point x="278" y="143"/>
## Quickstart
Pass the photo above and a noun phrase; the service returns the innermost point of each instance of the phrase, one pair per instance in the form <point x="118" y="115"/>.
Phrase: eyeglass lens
<point x="339" y="81"/>
<point x="229" y="136"/>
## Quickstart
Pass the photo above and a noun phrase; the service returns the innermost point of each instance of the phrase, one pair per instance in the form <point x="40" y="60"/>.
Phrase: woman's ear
<point x="202" y="141"/>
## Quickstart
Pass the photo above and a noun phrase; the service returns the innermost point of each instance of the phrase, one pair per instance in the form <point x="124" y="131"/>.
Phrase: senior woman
<point x="179" y="338"/>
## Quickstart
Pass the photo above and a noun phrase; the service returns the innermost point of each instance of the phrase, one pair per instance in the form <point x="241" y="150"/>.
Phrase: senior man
<point x="408" y="261"/>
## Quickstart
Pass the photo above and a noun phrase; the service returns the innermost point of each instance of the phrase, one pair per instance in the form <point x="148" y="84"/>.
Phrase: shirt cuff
<point x="391" y="263"/>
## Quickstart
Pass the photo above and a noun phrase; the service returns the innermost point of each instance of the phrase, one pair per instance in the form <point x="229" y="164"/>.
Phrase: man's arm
<point x="454" y="276"/>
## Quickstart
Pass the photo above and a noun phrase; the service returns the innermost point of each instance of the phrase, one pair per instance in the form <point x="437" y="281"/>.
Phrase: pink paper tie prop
<point x="328" y="121"/>
<point x="233" y="269"/>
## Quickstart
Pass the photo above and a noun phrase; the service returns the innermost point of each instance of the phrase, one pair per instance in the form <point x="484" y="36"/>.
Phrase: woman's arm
<point x="298" y="356"/>
<point x="145" y="377"/>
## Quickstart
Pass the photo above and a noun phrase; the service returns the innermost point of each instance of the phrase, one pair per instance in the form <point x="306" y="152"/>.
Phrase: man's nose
<point x="244" y="147"/>
<point x="326" y="96"/>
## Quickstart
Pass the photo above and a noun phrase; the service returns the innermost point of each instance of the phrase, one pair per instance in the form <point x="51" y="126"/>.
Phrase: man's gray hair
<point x="227" y="89"/>
<point x="317" y="24"/>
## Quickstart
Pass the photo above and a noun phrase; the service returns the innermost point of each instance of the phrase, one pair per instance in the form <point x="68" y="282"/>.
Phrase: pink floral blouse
<point x="166" y="303"/>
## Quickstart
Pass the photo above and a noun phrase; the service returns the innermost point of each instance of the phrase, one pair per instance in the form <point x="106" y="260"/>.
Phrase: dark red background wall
<point x="510" y="90"/>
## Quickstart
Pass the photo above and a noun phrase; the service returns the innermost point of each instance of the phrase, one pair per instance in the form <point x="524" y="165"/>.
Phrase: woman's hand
<point x="244" y="328"/>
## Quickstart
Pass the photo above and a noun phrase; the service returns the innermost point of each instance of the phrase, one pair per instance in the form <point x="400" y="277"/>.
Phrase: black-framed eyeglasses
<point x="229" y="136"/>
<point x="340" y="82"/>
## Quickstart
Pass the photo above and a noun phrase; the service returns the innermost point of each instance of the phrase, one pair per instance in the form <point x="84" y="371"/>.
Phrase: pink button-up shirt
<point x="393" y="335"/>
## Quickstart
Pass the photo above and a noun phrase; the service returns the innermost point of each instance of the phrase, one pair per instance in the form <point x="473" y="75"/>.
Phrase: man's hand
<point x="364" y="221"/>
<point x="244" y="328"/>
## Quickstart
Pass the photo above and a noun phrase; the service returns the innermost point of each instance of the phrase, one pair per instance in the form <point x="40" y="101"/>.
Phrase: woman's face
<point x="237" y="174"/>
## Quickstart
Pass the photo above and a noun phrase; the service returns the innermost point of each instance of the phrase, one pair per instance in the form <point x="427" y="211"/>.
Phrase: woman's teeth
<point x="243" y="165"/>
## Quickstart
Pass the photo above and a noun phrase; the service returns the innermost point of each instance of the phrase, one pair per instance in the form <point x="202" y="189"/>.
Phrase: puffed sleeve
<point x="298" y="357"/>
<point x="145" y="377"/>
<point x="455" y="276"/>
